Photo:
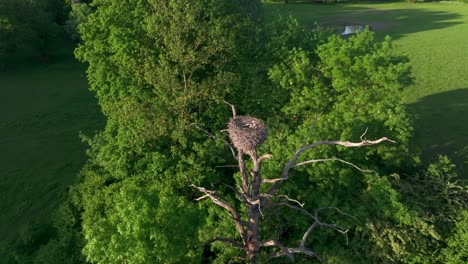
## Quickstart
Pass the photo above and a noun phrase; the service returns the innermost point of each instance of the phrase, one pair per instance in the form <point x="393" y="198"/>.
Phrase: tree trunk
<point x="254" y="212"/>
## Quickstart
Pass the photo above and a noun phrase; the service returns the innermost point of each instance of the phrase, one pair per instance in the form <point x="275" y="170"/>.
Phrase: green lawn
<point x="42" y="110"/>
<point x="435" y="38"/>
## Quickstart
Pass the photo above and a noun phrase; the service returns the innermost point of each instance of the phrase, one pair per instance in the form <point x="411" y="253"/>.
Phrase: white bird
<point x="252" y="124"/>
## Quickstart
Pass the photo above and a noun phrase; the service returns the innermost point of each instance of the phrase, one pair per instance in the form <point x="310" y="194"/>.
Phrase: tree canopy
<point x="30" y="28"/>
<point x="161" y="71"/>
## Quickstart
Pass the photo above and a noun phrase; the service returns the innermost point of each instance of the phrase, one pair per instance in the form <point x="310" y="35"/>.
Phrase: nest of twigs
<point x="247" y="133"/>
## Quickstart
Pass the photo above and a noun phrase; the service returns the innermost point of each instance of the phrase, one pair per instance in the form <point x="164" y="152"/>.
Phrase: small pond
<point x="345" y="29"/>
<point x="351" y="29"/>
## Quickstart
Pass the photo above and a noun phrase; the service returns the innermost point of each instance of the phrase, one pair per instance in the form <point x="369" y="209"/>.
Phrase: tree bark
<point x="254" y="211"/>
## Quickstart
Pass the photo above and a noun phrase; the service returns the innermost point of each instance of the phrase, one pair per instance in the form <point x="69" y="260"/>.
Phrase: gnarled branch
<point x="233" y="108"/>
<point x="287" y="251"/>
<point x="290" y="251"/>
<point x="216" y="138"/>
<point x="332" y="159"/>
<point x="283" y="250"/>
<point x="292" y="163"/>
<point x="215" y="198"/>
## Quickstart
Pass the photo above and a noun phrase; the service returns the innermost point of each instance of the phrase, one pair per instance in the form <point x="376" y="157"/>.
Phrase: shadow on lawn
<point x="400" y="22"/>
<point x="441" y="125"/>
<point x="393" y="22"/>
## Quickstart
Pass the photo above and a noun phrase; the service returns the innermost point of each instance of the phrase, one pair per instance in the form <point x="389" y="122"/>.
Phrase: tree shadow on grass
<point x="382" y="20"/>
<point x="441" y="125"/>
<point x="400" y="22"/>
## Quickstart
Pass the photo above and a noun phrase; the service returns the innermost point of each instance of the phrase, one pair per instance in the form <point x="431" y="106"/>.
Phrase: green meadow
<point x="44" y="107"/>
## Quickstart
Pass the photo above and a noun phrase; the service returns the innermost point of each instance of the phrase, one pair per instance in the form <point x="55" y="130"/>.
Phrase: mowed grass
<point x="42" y="110"/>
<point x="435" y="38"/>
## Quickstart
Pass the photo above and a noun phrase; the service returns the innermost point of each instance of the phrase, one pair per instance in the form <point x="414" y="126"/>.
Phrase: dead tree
<point x="246" y="134"/>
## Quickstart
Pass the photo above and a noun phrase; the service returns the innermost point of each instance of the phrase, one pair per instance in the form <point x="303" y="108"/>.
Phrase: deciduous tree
<point x="157" y="67"/>
<point x="161" y="70"/>
<point x="27" y="28"/>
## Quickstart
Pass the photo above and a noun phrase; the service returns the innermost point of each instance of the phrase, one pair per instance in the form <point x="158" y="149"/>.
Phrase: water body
<point x="351" y="29"/>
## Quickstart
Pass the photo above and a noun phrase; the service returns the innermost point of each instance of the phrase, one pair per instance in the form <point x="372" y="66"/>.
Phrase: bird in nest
<point x="251" y="124"/>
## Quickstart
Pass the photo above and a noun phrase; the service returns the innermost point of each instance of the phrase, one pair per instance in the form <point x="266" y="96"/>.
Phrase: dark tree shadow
<point x="393" y="22"/>
<point x="400" y="22"/>
<point x="441" y="125"/>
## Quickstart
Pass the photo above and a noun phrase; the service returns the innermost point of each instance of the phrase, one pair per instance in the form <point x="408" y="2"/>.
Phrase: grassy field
<point x="434" y="37"/>
<point x="42" y="110"/>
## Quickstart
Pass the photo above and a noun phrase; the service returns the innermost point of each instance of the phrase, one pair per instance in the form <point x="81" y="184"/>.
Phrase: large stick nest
<point x="247" y="133"/>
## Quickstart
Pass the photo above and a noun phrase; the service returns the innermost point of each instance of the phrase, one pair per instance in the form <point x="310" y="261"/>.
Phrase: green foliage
<point x="59" y="10"/>
<point x="342" y="88"/>
<point x="433" y="99"/>
<point x="168" y="54"/>
<point x="78" y="15"/>
<point x="52" y="240"/>
<point x="457" y="247"/>
<point x="440" y="196"/>
<point x="438" y="192"/>
<point x="67" y="243"/>
<point x="348" y="86"/>
<point x="138" y="221"/>
<point x="6" y="29"/>
<point x="158" y="67"/>
<point x="161" y="68"/>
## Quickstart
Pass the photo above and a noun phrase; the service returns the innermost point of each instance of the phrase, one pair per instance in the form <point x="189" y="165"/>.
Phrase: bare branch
<point x="331" y="159"/>
<point x="268" y="243"/>
<point x="363" y="134"/>
<point x="238" y="191"/>
<point x="263" y="157"/>
<point x="291" y="200"/>
<point x="332" y="226"/>
<point x="290" y="251"/>
<point x="216" y="138"/>
<point x="227" y="166"/>
<point x="202" y="197"/>
<point x="232" y="211"/>
<point x="296" y="208"/>
<point x="272" y="180"/>
<point x="248" y="193"/>
<point x="214" y="196"/>
<point x="227" y="240"/>
<point x="244" y="179"/>
<point x="230" y="187"/>
<point x="283" y="250"/>
<point x="307" y="233"/>
<point x="336" y="209"/>
<point x="348" y="144"/>
<point x="233" y="109"/>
